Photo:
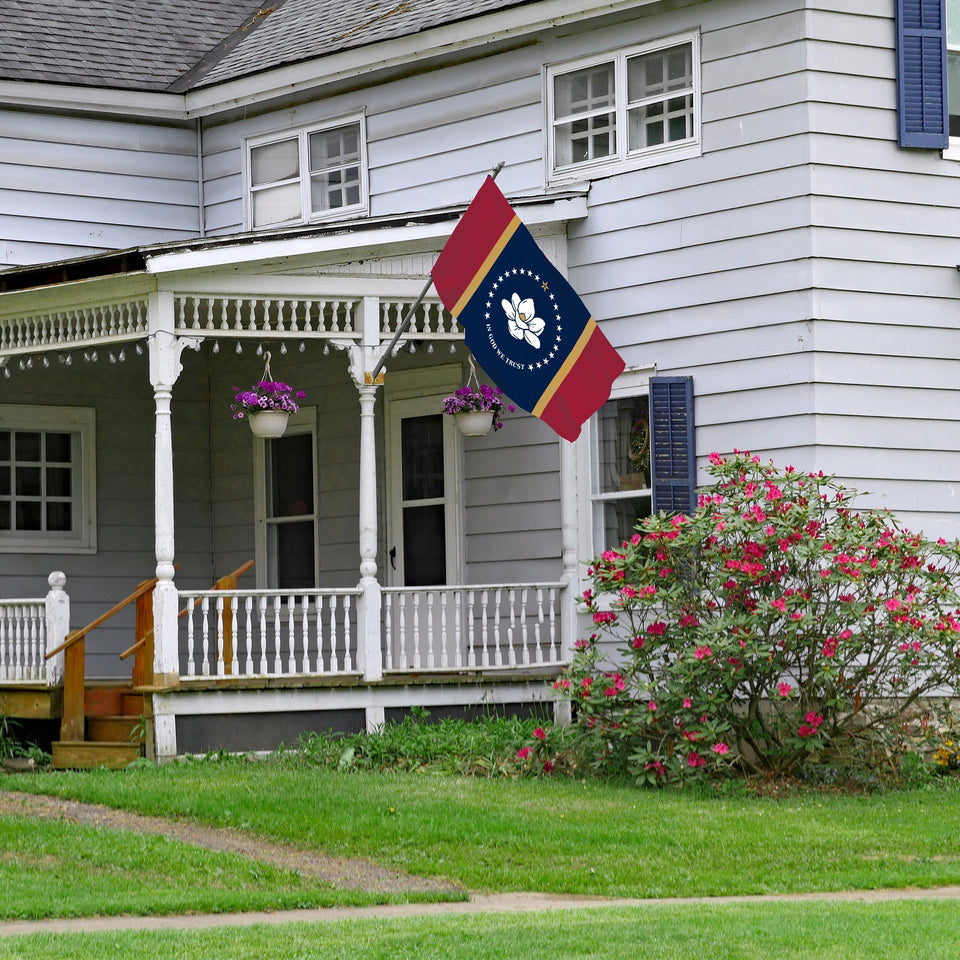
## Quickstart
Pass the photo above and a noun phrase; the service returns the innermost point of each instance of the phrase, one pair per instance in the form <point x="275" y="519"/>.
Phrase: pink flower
<point x="547" y="766"/>
<point x="780" y="605"/>
<point x="702" y="652"/>
<point x="586" y="683"/>
<point x="829" y="647"/>
<point x="720" y="748"/>
<point x="893" y="604"/>
<point x="539" y="734"/>
<point x="784" y="689"/>
<point x="637" y="643"/>
<point x="652" y="705"/>
<point x="604" y="616"/>
<point x="687" y="703"/>
<point x="695" y="760"/>
<point x="523" y="753"/>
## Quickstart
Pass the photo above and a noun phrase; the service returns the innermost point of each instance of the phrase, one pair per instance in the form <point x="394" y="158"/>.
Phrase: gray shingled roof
<point x="158" y="45"/>
<point x="303" y="29"/>
<point x="126" y="44"/>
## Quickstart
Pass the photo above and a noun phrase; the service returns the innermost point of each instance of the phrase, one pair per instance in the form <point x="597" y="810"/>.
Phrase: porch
<point x="354" y="613"/>
<point x="258" y="667"/>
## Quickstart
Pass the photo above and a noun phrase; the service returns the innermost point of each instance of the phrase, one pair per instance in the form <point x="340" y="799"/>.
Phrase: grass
<point x="561" y="836"/>
<point x="787" y="931"/>
<point x="66" y="870"/>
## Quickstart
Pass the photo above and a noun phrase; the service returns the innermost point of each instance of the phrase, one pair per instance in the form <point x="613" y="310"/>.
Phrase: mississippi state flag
<point x="524" y="323"/>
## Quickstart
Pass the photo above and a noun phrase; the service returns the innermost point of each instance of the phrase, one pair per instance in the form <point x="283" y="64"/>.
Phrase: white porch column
<point x="165" y="368"/>
<point x="569" y="525"/>
<point x="369" y="653"/>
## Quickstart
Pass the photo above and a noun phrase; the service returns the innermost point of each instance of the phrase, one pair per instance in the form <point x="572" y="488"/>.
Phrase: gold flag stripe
<point x="561" y="374"/>
<point x="495" y="252"/>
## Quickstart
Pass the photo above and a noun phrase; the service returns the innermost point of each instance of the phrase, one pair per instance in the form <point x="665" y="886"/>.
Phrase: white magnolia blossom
<point x="522" y="320"/>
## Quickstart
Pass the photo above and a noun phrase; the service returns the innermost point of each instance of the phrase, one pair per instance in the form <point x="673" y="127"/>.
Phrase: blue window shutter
<point x="922" y="74"/>
<point x="673" y="458"/>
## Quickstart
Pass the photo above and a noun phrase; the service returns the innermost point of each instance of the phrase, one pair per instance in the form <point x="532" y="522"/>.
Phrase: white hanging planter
<point x="474" y="423"/>
<point x="268" y="424"/>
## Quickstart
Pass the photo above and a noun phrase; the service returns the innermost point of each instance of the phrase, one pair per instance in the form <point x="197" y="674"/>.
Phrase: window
<point x="642" y="457"/>
<point x="313" y="174"/>
<point x="631" y="109"/>
<point x="953" y="65"/>
<point x="285" y="492"/>
<point x="47" y="479"/>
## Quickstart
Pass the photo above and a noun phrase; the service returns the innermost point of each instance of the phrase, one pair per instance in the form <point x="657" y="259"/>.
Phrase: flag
<point x="526" y="326"/>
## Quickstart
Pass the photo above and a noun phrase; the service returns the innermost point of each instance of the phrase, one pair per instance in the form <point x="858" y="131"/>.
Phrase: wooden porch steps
<point x="113" y="731"/>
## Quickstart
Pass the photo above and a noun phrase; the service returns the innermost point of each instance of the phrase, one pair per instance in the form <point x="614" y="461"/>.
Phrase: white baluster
<point x="277" y="664"/>
<point x="484" y="636"/>
<point x="205" y="627"/>
<point x="218" y="605"/>
<point x="334" y="659"/>
<point x="248" y="635"/>
<point x="431" y="661"/>
<point x="262" y="610"/>
<point x="416" y="631"/>
<point x="471" y="649"/>
<point x="234" y="662"/>
<point x="498" y="652"/>
<point x="388" y="631"/>
<point x="191" y="666"/>
<point x="402" y="621"/>
<point x="305" y="631"/>
<point x="523" y="626"/>
<point x="347" y="633"/>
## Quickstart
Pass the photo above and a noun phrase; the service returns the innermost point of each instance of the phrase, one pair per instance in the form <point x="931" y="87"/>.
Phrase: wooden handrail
<point x="239" y="572"/>
<point x="76" y="635"/>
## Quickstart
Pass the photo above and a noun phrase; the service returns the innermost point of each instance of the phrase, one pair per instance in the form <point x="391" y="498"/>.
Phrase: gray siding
<point x="72" y="186"/>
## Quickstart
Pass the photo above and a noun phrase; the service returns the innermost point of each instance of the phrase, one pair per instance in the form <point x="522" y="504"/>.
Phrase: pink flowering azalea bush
<point x="775" y="627"/>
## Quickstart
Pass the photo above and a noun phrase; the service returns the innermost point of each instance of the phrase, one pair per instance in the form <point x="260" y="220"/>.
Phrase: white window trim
<point x="302" y="134"/>
<point x="631" y="383"/>
<point x="303" y="421"/>
<point x="953" y="151"/>
<point x="622" y="161"/>
<point x="80" y="420"/>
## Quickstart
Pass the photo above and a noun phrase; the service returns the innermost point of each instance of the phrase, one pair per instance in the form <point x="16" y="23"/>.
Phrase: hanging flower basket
<point x="268" y="424"/>
<point x="476" y="406"/>
<point x="267" y="405"/>
<point x="475" y="423"/>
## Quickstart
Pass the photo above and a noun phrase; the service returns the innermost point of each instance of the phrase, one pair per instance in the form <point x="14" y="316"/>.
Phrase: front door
<point x="423" y="544"/>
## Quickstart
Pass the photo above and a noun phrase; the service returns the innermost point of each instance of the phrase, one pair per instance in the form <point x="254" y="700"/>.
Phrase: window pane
<point x="291" y="460"/>
<point x="4" y="514"/>
<point x="424" y="546"/>
<point x="661" y="122"/>
<point x="583" y="91"/>
<point x="334" y="148"/>
<point x="59" y="482"/>
<point x="337" y="188"/>
<point x="295" y="554"/>
<point x="617" y="519"/>
<point x="28" y="481"/>
<point x="953" y="91"/>
<point x="58" y="447"/>
<point x="5" y="481"/>
<point x="276" y="205"/>
<point x="27" y="447"/>
<point x="4" y="444"/>
<point x="623" y="445"/>
<point x="589" y="139"/>
<point x="658" y="74"/>
<point x="29" y="515"/>
<point x="953" y="23"/>
<point x="422" y="454"/>
<point x="59" y="517"/>
<point x="274" y="162"/>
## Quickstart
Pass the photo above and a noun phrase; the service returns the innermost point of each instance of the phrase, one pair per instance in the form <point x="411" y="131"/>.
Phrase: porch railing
<point x="269" y="633"/>
<point x="23" y="640"/>
<point x="29" y="630"/>
<point x="486" y="627"/>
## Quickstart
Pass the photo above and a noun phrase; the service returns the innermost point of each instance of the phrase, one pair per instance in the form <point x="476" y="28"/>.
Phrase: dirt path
<point x="351" y="874"/>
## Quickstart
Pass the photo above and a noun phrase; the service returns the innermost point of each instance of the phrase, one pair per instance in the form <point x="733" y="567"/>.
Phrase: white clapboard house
<point x="757" y="200"/>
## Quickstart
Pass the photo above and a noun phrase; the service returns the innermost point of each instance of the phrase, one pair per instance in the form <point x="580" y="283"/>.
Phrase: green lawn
<point x="560" y="836"/>
<point x="797" y="931"/>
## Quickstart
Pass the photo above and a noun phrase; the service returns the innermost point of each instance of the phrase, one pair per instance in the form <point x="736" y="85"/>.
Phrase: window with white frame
<point x="311" y="174"/>
<point x="47" y="479"/>
<point x="624" y="110"/>
<point x="620" y="491"/>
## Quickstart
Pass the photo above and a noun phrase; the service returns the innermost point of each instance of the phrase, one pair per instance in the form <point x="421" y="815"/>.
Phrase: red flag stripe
<point x="462" y="262"/>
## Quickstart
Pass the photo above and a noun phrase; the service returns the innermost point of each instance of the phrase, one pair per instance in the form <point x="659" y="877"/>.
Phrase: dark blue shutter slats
<point x="922" y="74"/>
<point x="673" y="456"/>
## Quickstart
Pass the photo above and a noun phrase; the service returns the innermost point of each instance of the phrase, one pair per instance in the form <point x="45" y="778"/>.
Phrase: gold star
<point x="545" y="285"/>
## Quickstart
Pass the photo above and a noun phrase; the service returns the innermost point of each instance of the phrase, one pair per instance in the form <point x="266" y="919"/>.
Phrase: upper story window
<point x="312" y="174"/>
<point x="625" y="110"/>
<point x="47" y="476"/>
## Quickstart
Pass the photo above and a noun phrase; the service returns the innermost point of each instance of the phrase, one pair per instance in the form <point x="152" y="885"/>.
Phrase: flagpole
<point x="411" y="310"/>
